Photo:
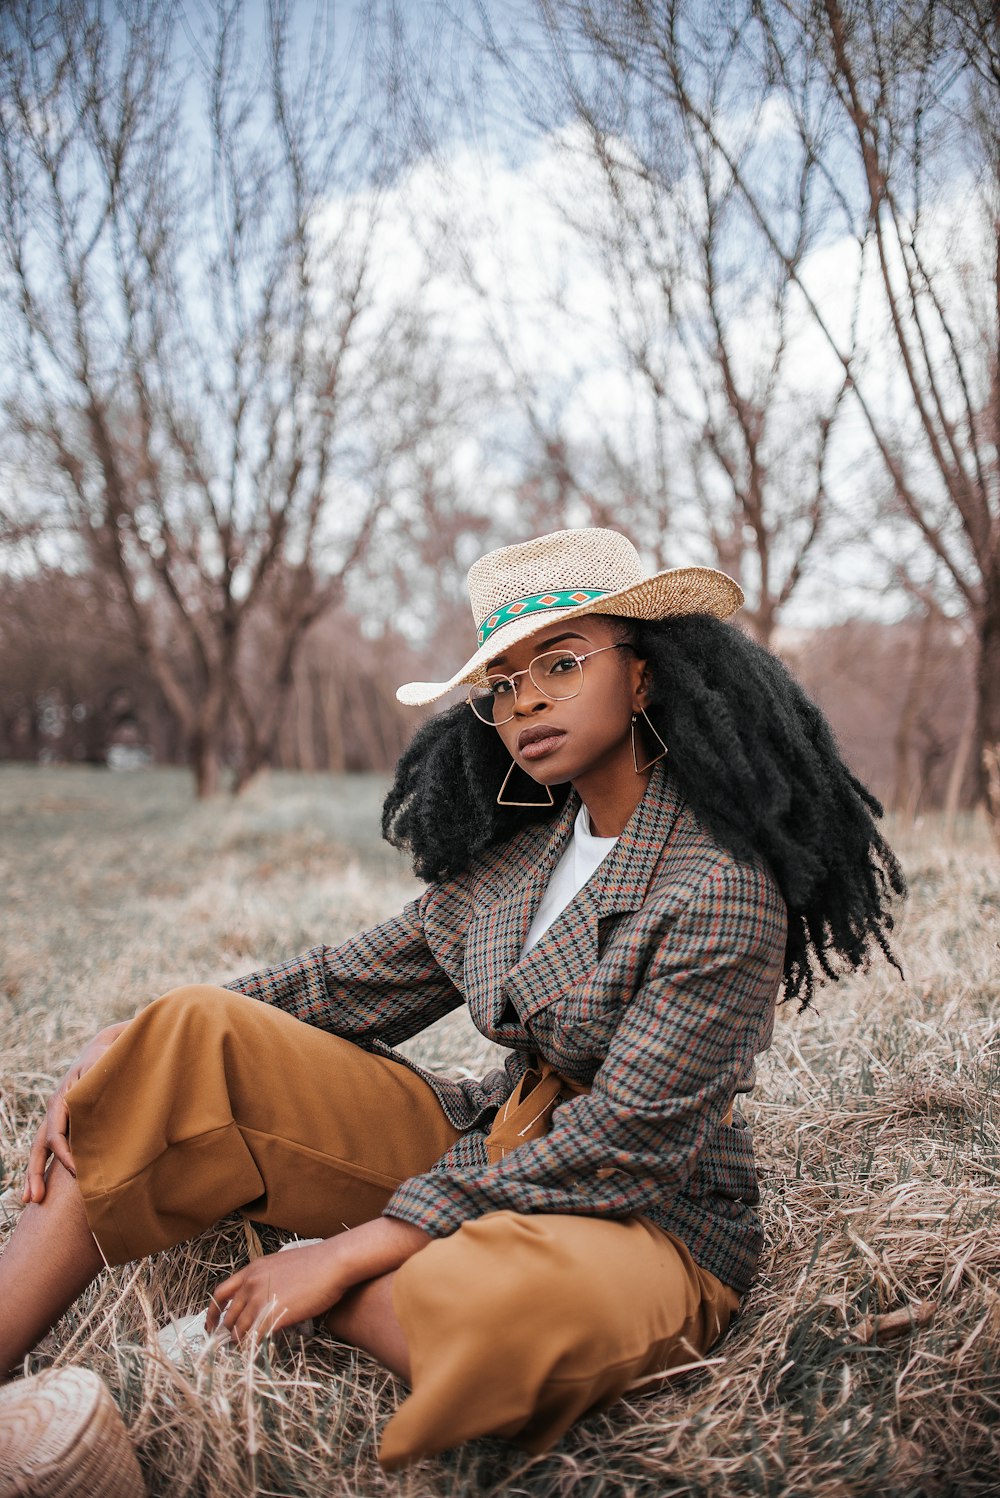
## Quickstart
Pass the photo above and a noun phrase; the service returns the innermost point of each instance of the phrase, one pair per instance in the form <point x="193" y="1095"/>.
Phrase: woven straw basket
<point x="61" y="1436"/>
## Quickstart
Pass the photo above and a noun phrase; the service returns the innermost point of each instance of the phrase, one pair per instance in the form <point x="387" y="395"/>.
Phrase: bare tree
<point x="897" y="696"/>
<point x="719" y="440"/>
<point x="915" y="96"/>
<point x="711" y="330"/>
<point x="889" y="122"/>
<point x="194" y="332"/>
<point x="71" y="680"/>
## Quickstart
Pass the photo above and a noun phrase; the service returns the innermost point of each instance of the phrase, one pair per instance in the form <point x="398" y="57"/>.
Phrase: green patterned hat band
<point x="537" y="603"/>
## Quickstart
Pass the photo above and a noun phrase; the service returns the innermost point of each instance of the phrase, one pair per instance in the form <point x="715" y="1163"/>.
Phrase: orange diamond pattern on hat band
<point x="535" y="604"/>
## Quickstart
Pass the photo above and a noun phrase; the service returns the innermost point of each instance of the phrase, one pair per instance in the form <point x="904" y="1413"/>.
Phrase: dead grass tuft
<point x="867" y="1358"/>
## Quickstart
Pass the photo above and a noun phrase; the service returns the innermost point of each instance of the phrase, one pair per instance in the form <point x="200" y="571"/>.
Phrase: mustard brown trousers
<point x="211" y="1102"/>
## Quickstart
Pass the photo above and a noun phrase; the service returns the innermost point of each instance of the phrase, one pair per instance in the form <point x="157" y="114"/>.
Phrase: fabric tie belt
<point x="527" y="1113"/>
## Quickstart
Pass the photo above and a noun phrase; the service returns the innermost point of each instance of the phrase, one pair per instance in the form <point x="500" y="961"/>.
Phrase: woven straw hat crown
<point x="518" y="590"/>
<point x="595" y="559"/>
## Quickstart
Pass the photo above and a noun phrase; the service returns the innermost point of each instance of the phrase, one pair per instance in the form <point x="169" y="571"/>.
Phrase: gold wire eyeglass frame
<point x="487" y="696"/>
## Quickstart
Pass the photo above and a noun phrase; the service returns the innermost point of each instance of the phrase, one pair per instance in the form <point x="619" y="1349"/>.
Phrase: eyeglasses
<point x="557" y="674"/>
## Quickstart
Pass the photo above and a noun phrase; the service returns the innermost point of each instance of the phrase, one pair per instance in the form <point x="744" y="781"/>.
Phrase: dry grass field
<point x="876" y="1118"/>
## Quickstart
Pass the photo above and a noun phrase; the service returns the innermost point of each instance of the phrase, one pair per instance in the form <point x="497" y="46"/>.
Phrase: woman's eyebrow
<point x="498" y="660"/>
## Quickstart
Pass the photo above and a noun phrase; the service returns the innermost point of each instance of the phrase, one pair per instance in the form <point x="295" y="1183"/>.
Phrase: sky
<point x="478" y="222"/>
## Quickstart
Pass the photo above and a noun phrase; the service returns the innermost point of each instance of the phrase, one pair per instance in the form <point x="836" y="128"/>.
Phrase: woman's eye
<point x="562" y="663"/>
<point x="501" y="687"/>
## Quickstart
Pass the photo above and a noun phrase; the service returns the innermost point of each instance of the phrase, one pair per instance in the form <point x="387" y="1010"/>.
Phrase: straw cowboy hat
<point x="518" y="589"/>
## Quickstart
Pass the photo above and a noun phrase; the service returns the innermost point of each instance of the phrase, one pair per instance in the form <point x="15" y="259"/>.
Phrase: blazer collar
<point x="620" y="882"/>
<point x="511" y="886"/>
<point x="528" y="858"/>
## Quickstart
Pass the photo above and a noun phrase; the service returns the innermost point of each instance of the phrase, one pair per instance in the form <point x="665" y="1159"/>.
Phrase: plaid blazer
<point x="655" y="987"/>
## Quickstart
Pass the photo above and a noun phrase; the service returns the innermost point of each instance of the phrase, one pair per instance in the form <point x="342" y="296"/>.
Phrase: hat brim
<point x="665" y="595"/>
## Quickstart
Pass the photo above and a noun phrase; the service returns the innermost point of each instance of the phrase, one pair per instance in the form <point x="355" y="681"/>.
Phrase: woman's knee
<point x="512" y="1273"/>
<point x="581" y="1284"/>
<point x="182" y="1038"/>
<point x="195" y="1005"/>
<point x="198" y="995"/>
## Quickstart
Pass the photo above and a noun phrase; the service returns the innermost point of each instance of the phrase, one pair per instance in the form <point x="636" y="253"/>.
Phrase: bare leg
<point x="50" y="1259"/>
<point x="365" y="1318"/>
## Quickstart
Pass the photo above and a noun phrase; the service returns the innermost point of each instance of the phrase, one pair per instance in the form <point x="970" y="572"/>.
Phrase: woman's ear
<point x="642" y="682"/>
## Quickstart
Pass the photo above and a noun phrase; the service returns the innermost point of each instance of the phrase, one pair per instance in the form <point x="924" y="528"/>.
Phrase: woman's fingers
<point x="243" y="1313"/>
<point x="262" y="1320"/>
<point x="53" y="1134"/>
<point x="228" y="1302"/>
<point x="51" y="1139"/>
<point x="218" y="1307"/>
<point x="57" y="1122"/>
<point x="59" y="1145"/>
<point x="225" y="1289"/>
<point x="34" y="1183"/>
<point x="224" y="1293"/>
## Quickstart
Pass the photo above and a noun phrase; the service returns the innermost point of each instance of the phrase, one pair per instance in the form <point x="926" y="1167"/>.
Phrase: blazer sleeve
<point x="382" y="984"/>
<point x="686" y="1039"/>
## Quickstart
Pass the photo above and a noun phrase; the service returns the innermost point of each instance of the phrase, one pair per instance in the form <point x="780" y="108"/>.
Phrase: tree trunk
<point x="988" y="705"/>
<point x="205" y="764"/>
<point x="333" y="714"/>
<point x="302" y="704"/>
<point x="359" y="698"/>
<point x="956" y="777"/>
<point x="285" y="744"/>
<point x="321" y="749"/>
<point x="906" y="792"/>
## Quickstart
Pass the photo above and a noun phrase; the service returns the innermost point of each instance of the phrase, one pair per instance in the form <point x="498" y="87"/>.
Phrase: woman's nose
<point x="528" y="699"/>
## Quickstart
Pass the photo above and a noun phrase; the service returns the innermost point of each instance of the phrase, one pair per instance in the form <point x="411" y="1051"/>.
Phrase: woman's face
<point x="576" y="738"/>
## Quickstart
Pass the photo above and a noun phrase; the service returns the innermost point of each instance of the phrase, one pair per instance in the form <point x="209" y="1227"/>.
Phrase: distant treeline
<point x="74" y="690"/>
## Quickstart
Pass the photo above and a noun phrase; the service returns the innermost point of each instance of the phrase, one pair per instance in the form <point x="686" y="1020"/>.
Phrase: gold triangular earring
<point x="663" y="749"/>
<point x="501" y="802"/>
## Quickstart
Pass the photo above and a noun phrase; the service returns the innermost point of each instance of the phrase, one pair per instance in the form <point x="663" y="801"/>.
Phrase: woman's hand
<point x="278" y="1290"/>
<point x="52" y="1137"/>
<point x="296" y="1284"/>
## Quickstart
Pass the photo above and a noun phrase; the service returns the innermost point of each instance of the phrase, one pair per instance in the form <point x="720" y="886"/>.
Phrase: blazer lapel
<point x="505" y="900"/>
<point x="563" y="956"/>
<point x="619" y="884"/>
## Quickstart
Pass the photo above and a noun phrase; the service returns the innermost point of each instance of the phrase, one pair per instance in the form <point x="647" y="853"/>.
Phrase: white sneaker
<point x="184" y="1337"/>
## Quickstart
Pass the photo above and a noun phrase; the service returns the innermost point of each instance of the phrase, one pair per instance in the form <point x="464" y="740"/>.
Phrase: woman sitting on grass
<point x="635" y="831"/>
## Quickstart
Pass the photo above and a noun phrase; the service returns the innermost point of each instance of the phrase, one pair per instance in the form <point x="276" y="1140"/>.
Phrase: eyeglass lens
<point x="557" y="674"/>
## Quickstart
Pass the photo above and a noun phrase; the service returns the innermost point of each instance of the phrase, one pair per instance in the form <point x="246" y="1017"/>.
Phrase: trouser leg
<point x="519" y="1325"/>
<point x="210" y="1102"/>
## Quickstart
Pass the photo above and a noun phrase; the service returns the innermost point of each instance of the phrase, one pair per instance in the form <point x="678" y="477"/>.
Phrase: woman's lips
<point x="536" y="743"/>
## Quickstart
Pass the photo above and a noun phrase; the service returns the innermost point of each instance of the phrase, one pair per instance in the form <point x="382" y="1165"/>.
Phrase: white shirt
<point x="583" y="853"/>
